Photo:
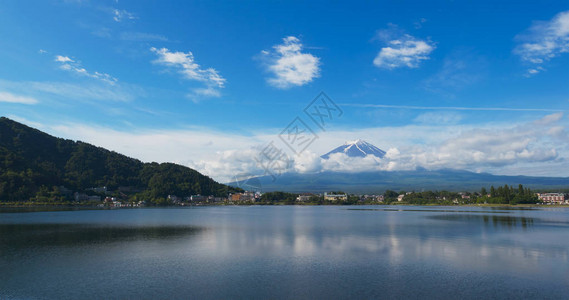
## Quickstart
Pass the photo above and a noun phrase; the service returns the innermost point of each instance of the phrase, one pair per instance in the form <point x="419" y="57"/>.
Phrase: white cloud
<point x="474" y="149"/>
<point x="186" y="65"/>
<point x="419" y="24"/>
<point x="308" y="162"/>
<point x="207" y="92"/>
<point x="544" y="41"/>
<point x="438" y="118"/>
<point x="102" y="32"/>
<point x="465" y="108"/>
<point x="401" y="50"/>
<point x="230" y="165"/>
<point x="533" y="71"/>
<point x="11" y="98"/>
<point x="68" y="64"/>
<point x="289" y="65"/>
<point x="549" y="119"/>
<point x="142" y="37"/>
<point x="68" y="91"/>
<point x="340" y="162"/>
<point x="460" y="69"/>
<point x="28" y="122"/>
<point x="120" y="14"/>
<point x="521" y="148"/>
<point x="490" y="148"/>
<point x="63" y="59"/>
<point x="213" y="153"/>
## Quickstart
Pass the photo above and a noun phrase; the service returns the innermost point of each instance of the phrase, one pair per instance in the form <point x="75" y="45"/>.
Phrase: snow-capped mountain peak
<point x="354" y="142"/>
<point x="357" y="148"/>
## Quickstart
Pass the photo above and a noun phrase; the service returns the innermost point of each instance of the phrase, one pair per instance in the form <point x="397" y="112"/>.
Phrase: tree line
<point x="502" y="195"/>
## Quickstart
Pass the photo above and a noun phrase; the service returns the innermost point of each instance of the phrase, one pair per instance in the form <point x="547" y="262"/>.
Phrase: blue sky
<point x="478" y="85"/>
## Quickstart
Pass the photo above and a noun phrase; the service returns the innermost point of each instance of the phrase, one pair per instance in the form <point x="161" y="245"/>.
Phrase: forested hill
<point x="34" y="164"/>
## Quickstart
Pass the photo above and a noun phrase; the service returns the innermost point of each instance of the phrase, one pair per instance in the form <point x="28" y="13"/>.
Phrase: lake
<point x="294" y="252"/>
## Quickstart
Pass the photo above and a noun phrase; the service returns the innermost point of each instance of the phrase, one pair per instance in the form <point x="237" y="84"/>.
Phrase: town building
<point x="552" y="198"/>
<point x="94" y="198"/>
<point x="218" y="199"/>
<point x="304" y="197"/>
<point x="80" y="197"/>
<point x="112" y="202"/>
<point x="246" y="196"/>
<point x="335" y="197"/>
<point x="369" y="198"/>
<point x="174" y="199"/>
<point x="101" y="189"/>
<point x="198" y="198"/>
<point x="65" y="191"/>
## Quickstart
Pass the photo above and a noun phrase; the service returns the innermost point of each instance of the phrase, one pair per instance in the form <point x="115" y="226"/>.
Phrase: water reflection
<point x="24" y="209"/>
<point x="429" y="210"/>
<point x="464" y="245"/>
<point x="498" y="221"/>
<point x="507" y="222"/>
<point x="24" y="235"/>
<point x="511" y="208"/>
<point x="285" y="252"/>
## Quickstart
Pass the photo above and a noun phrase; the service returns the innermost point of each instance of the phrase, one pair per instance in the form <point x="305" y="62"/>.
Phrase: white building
<point x="335" y="197"/>
<point x="304" y="197"/>
<point x="554" y="198"/>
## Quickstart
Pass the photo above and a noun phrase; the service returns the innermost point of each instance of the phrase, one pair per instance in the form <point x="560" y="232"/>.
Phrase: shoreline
<point x="96" y="206"/>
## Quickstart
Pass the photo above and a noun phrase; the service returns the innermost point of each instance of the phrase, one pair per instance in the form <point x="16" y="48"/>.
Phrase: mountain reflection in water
<point x="493" y="220"/>
<point x="286" y="252"/>
<point x="78" y="234"/>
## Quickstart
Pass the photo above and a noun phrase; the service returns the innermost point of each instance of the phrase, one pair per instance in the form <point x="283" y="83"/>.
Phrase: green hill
<point x="35" y="165"/>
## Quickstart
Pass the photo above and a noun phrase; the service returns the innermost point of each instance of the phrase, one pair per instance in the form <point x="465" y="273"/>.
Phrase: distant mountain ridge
<point x="34" y="163"/>
<point x="379" y="181"/>
<point x="357" y="148"/>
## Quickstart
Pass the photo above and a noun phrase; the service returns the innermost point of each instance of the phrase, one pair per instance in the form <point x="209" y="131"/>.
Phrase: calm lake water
<point x="262" y="252"/>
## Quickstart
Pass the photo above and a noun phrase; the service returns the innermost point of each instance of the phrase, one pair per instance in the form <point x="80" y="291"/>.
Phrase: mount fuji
<point x="379" y="181"/>
<point x="357" y="148"/>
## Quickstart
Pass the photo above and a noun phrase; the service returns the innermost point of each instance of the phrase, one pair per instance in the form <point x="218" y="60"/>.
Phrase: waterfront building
<point x="335" y="197"/>
<point x="553" y="198"/>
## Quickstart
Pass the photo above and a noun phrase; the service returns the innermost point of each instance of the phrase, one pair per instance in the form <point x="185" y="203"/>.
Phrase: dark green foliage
<point x="429" y="197"/>
<point x="390" y="195"/>
<point x="501" y="195"/>
<point x="34" y="164"/>
<point x="274" y="197"/>
<point x="508" y="195"/>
